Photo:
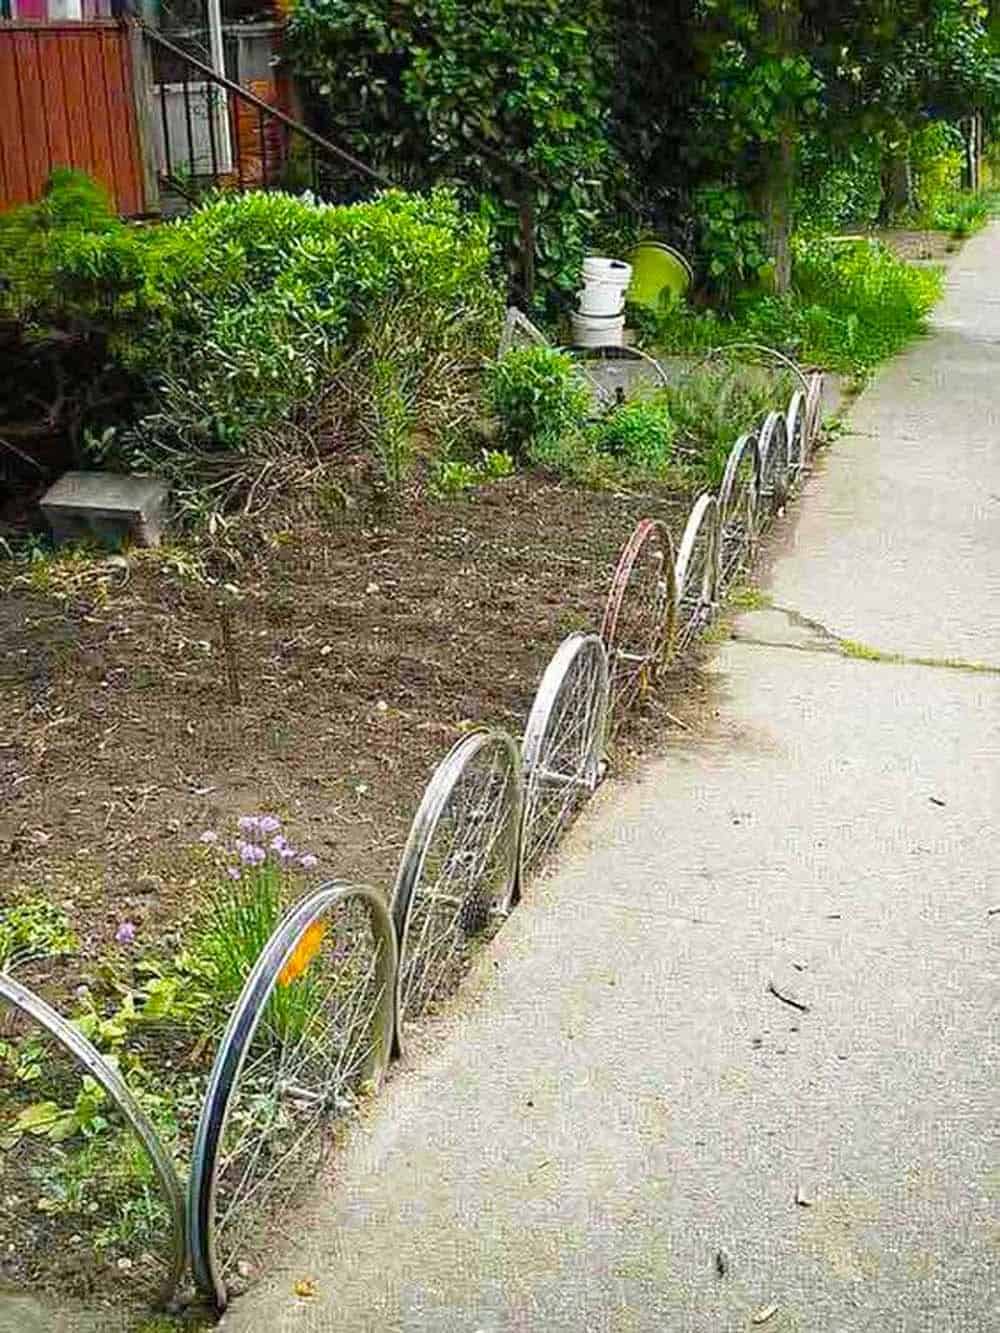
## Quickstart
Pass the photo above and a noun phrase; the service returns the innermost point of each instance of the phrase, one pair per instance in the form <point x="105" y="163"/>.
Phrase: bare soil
<point x="361" y="650"/>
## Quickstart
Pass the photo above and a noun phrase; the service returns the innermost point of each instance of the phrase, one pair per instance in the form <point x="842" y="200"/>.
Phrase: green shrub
<point x="712" y="406"/>
<point x="853" y="305"/>
<point x="730" y="239"/>
<point x="538" y="395"/>
<point x="640" y="434"/>
<point x="838" y="187"/>
<point x="233" y="321"/>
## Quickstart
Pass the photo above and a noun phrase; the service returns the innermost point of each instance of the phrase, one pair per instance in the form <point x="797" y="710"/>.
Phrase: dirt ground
<point x="361" y="650"/>
<point x="914" y="246"/>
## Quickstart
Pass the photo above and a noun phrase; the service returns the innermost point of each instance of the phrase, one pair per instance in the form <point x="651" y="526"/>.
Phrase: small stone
<point x="841" y="1055"/>
<point x="243" y="1268"/>
<point x="721" y="1263"/>
<point x="372" y="589"/>
<point x="124" y="1265"/>
<point x="801" y="1198"/>
<point x="756" y="1042"/>
<point x="382" y="706"/>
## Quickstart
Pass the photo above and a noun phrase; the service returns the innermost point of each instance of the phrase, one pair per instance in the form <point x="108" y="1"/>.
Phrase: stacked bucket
<point x="600" y="319"/>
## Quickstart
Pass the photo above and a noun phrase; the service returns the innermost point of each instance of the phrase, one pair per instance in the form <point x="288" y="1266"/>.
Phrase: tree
<point x="508" y="98"/>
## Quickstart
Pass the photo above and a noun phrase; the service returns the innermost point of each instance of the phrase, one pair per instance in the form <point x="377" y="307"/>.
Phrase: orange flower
<point x="305" y="951"/>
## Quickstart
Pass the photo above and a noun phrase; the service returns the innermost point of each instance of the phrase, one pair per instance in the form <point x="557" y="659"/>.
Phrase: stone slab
<point x="108" y="507"/>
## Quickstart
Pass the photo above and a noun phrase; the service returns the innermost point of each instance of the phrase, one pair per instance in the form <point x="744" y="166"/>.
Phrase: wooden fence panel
<point x="67" y="100"/>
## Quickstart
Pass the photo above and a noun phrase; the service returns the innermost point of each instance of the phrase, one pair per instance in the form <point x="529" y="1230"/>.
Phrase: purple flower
<point x="250" y="854"/>
<point x="125" y="934"/>
<point x="308" y="861"/>
<point x="209" y="836"/>
<point x="269" y="824"/>
<point x="249" y="824"/>
<point x="233" y="872"/>
<point x="282" y="848"/>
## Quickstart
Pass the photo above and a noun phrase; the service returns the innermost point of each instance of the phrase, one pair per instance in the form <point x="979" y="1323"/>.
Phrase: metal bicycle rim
<point x="235" y="1045"/>
<point x="785" y="362"/>
<point x="814" y="403"/>
<point x="578" y="777"/>
<point x="81" y="1050"/>
<point x="772" y="471"/>
<point x="442" y="787"/>
<point x="629" y="663"/>
<point x="738" y="504"/>
<point x="697" y="581"/>
<point x="796" y="447"/>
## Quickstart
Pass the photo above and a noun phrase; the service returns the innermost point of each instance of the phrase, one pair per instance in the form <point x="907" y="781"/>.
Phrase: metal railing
<point x="210" y="132"/>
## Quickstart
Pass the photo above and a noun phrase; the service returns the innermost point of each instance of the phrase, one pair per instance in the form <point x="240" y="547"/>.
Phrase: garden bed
<point x="362" y="649"/>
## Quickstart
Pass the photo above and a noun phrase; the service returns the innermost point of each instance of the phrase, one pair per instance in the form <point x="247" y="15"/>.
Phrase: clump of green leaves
<point x="731" y="240"/>
<point x="538" y="397"/>
<point x="509" y="96"/>
<point x="33" y="929"/>
<point x="640" y="434"/>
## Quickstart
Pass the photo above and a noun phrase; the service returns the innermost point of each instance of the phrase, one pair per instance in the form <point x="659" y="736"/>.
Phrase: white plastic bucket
<point x="605" y="282"/>
<point x="598" y="330"/>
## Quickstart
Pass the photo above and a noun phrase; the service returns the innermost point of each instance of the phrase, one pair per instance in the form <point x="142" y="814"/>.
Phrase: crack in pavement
<point x="837" y="645"/>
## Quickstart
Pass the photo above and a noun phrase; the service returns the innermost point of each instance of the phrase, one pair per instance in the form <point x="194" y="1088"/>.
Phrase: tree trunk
<point x="779" y="27"/>
<point x="897" y="183"/>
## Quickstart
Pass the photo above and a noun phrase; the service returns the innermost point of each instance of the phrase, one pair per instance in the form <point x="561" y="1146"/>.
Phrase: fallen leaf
<point x="305" y="1287"/>
<point x="762" y="1315"/>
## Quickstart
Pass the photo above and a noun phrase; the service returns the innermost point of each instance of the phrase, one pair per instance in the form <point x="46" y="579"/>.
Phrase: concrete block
<point x="106" y="507"/>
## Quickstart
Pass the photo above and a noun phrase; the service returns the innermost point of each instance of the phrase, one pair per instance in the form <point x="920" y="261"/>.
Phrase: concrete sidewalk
<point x="617" y="1098"/>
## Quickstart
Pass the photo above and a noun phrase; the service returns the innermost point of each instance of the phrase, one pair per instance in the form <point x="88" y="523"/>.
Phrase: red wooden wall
<point x="66" y="100"/>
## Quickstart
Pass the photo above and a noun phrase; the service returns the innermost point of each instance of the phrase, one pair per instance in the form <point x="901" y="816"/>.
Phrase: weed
<point x="865" y="653"/>
<point x="33" y="929"/>
<point x="640" y="433"/>
<point x="453" y="476"/>
<point x="747" y="597"/>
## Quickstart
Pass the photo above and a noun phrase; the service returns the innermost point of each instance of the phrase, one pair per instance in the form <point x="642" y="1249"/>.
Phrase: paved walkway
<point x="621" y="1099"/>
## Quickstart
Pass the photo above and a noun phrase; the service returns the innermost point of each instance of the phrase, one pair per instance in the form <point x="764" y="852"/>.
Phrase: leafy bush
<point x="231" y="322"/>
<point x="538" y="395"/>
<point x="936" y="155"/>
<point x="640" y="434"/>
<point x="731" y="239"/>
<point x="838" y="187"/>
<point x="509" y="97"/>
<point x="960" y="213"/>
<point x="853" y="305"/>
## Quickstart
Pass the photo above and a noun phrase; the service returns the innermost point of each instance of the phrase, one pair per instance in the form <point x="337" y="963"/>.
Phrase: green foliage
<point x="508" y="96"/>
<point x="538" y="396"/>
<point x="640" y="434"/>
<point x="33" y="929"/>
<point x="961" y="213"/>
<point x="238" y="317"/>
<point x="712" y="406"/>
<point x="453" y="476"/>
<point x="839" y="186"/>
<point x="853" y="305"/>
<point x="731" y="239"/>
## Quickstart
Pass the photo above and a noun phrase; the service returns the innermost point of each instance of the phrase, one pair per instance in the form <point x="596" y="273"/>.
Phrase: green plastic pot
<point x="658" y="269"/>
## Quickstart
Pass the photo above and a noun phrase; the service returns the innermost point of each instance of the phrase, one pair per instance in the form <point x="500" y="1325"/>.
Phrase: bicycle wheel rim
<point x="478" y="875"/>
<point x="244" y="1022"/>
<point x="83" y="1053"/>
<point x="574" y="683"/>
